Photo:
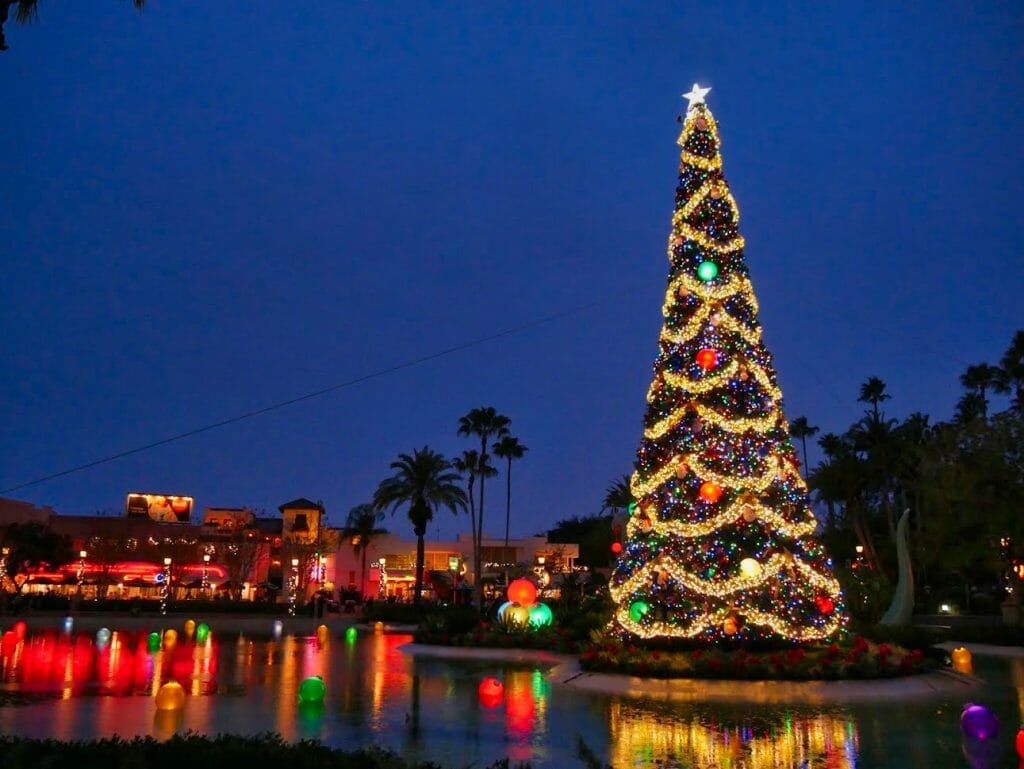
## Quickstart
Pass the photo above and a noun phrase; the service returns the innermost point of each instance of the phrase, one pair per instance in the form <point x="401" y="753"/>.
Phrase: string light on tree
<point x="721" y="545"/>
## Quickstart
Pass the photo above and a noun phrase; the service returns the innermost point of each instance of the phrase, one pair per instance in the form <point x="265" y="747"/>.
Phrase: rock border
<point x="565" y="670"/>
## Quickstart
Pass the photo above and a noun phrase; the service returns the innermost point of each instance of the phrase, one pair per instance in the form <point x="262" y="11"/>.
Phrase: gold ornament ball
<point x="748" y="512"/>
<point x="700" y="124"/>
<point x="170" y="696"/>
<point x="730" y="626"/>
<point x="750" y="568"/>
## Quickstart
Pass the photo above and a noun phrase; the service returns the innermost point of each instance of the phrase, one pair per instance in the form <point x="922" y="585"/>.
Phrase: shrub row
<point x="263" y="752"/>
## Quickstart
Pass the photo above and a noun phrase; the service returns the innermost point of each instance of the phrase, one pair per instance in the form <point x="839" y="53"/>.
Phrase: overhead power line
<point x="317" y="393"/>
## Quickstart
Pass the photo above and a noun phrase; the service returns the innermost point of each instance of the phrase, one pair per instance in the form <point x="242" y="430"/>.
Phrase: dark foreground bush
<point x="264" y="752"/>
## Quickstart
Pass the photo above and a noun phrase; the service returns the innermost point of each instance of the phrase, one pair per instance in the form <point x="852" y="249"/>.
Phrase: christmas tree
<point x="720" y="541"/>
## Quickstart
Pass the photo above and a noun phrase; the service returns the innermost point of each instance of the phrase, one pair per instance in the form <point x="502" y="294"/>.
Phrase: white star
<point x="696" y="96"/>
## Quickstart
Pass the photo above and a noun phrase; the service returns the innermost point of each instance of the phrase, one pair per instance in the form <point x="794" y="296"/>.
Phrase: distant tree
<point x="978" y="380"/>
<point x="1011" y="371"/>
<point x="801" y="429"/>
<point x="592" y="533"/>
<point x="470" y="465"/>
<point x="34" y="545"/>
<point x="483" y="423"/>
<point x="508" y="448"/>
<point x="239" y="555"/>
<point x="423" y="482"/>
<point x="618" y="496"/>
<point x="361" y="528"/>
<point x="873" y="392"/>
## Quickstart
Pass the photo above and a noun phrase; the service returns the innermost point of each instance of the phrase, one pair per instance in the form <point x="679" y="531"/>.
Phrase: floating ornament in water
<point x="170" y="696"/>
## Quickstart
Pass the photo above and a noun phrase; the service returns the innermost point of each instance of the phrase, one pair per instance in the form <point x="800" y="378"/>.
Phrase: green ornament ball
<point x="638" y="609"/>
<point x="707" y="271"/>
<point x="350" y="635"/>
<point x="312" y="689"/>
<point x="540" y="615"/>
<point x="153" y="642"/>
<point x="632" y="507"/>
<point x="202" y="632"/>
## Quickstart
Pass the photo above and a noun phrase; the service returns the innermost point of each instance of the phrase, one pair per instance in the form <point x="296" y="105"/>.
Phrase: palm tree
<point x="469" y="465"/>
<point x="508" y="448"/>
<point x="873" y="392"/>
<point x="978" y="380"/>
<point x="1011" y="371"/>
<point x="425" y="482"/>
<point x="618" y="496"/>
<point x="485" y="423"/>
<point x="361" y="527"/>
<point x="802" y="429"/>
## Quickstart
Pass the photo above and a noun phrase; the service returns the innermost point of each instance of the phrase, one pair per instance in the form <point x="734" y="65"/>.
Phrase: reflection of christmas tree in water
<point x="641" y="738"/>
<point x="720" y="542"/>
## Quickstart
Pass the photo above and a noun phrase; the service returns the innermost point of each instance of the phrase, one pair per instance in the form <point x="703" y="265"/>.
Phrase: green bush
<point x="264" y="752"/>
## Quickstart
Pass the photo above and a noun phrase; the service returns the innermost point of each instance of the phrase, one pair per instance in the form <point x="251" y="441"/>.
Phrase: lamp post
<point x="206" y="573"/>
<point x="165" y="593"/>
<point x="81" y="570"/>
<point x="293" y="587"/>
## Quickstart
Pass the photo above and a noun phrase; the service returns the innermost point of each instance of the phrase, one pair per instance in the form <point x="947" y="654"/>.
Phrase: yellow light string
<point x="769" y="570"/>
<point x="729" y="515"/>
<point x="735" y="425"/>
<point x="707" y="621"/>
<point x="736" y="284"/>
<point x="702" y="162"/>
<point x="689" y="233"/>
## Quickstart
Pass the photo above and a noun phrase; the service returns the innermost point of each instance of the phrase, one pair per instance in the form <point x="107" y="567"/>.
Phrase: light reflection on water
<point x="429" y="708"/>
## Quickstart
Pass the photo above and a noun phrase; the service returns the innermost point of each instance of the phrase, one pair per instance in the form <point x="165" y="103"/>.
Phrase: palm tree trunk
<point x="480" y="532"/>
<point x="508" y="514"/>
<point x="420" y="558"/>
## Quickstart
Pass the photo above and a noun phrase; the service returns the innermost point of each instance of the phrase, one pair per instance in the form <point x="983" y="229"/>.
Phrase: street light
<point x="294" y="587"/>
<point x="206" y="572"/>
<point x="165" y="592"/>
<point x="81" y="569"/>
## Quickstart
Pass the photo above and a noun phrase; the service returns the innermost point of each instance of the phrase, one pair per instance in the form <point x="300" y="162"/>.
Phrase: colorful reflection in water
<point x="432" y="709"/>
<point x="121" y="664"/>
<point x="642" y="738"/>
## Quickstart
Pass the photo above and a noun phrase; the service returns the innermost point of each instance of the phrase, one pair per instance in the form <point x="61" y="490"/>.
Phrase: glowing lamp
<point x="979" y="723"/>
<point x="8" y="643"/>
<point x="540" y="615"/>
<point x="170" y="638"/>
<point x="750" y="568"/>
<point x="202" y="632"/>
<point x="321" y="631"/>
<point x="19" y="629"/>
<point x="102" y="638"/>
<point x="502" y="609"/>
<point x="378" y="627"/>
<point x="707" y="271"/>
<point x="170" y="696"/>
<point x="522" y="591"/>
<point x="190" y="627"/>
<point x="616" y="547"/>
<point x="69" y="624"/>
<point x="962" y="662"/>
<point x="707" y="359"/>
<point x="153" y="642"/>
<point x="277" y="627"/>
<point x="517" y="615"/>
<point x="350" y="635"/>
<point x="710" y="491"/>
<point x="1020" y="743"/>
<point x="638" y="609"/>
<point x="312" y="689"/>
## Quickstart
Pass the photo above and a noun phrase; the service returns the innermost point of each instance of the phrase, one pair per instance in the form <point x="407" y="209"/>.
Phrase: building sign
<point x="159" y="507"/>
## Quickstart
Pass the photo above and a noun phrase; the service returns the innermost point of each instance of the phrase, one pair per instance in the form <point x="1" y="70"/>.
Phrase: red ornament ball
<point x="707" y="358"/>
<point x="616" y="547"/>
<point x="825" y="604"/>
<point x="1020" y="743"/>
<point x="710" y="491"/>
<point x="522" y="591"/>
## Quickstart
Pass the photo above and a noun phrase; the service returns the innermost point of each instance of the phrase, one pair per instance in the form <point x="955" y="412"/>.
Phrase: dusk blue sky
<point x="212" y="207"/>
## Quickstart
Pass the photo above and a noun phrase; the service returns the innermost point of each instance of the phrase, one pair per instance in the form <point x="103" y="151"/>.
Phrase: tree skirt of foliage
<point x="857" y="659"/>
<point x="264" y="752"/>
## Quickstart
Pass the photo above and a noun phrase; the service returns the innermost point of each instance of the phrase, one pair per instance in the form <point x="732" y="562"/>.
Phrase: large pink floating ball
<point x="979" y="723"/>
